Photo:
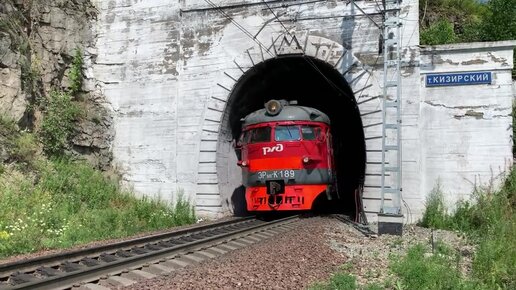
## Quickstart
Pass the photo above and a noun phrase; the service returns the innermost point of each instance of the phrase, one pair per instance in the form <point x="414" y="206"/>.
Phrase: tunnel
<point x="313" y="83"/>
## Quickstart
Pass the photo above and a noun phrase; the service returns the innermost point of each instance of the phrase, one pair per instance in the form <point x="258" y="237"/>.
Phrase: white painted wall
<point x="467" y="130"/>
<point x="160" y="64"/>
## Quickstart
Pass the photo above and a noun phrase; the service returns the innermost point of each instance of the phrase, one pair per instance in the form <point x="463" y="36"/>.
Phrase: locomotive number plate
<point x="276" y="174"/>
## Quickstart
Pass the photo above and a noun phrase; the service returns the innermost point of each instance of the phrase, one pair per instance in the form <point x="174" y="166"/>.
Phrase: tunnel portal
<point x="313" y="83"/>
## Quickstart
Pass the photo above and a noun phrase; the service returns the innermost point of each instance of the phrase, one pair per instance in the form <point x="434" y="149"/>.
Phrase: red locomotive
<point x="286" y="157"/>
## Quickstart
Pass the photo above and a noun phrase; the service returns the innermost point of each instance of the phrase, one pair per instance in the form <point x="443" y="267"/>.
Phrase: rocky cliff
<point x="38" y="42"/>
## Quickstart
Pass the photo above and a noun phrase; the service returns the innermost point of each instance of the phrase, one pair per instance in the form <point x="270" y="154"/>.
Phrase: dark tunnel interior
<point x="312" y="83"/>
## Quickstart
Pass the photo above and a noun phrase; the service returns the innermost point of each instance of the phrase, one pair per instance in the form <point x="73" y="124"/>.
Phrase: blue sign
<point x="458" y="79"/>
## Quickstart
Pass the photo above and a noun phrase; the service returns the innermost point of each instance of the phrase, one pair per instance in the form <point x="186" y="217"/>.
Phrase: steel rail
<point x="25" y="265"/>
<point x="228" y="229"/>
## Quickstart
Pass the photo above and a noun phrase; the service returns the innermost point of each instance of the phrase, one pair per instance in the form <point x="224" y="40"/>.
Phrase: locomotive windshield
<point x="261" y="134"/>
<point x="281" y="133"/>
<point x="310" y="132"/>
<point x="286" y="133"/>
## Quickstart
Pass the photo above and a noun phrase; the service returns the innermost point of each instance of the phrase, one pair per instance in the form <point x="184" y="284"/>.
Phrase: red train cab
<point x="286" y="157"/>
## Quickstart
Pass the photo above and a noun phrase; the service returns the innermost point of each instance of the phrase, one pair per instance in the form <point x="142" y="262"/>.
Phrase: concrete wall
<point x="467" y="130"/>
<point x="168" y="68"/>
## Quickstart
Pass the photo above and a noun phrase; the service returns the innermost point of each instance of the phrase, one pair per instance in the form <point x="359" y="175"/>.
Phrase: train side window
<point x="286" y="133"/>
<point x="261" y="134"/>
<point x="310" y="132"/>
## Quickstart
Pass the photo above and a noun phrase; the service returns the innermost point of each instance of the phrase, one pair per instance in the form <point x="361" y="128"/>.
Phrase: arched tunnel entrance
<point x="313" y="83"/>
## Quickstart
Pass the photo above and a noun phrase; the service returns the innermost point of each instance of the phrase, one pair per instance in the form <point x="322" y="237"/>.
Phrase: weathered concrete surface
<point x="467" y="130"/>
<point x="168" y="68"/>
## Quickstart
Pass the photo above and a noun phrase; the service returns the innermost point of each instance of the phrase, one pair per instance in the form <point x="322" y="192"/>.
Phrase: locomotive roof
<point x="288" y="113"/>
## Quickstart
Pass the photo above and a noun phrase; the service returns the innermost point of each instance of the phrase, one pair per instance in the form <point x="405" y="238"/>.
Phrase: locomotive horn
<point x="273" y="107"/>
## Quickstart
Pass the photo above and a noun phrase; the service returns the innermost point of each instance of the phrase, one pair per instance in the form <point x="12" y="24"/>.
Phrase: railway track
<point x="124" y="263"/>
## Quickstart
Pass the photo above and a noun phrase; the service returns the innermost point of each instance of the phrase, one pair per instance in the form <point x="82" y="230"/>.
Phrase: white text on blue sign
<point x="458" y="79"/>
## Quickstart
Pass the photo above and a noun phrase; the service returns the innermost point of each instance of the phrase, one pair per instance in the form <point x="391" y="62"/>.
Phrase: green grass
<point x="340" y="280"/>
<point x="418" y="270"/>
<point x="490" y="222"/>
<point x="70" y="203"/>
<point x="345" y="281"/>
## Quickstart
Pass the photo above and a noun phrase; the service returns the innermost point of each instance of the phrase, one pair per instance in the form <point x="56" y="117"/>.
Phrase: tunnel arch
<point x="313" y="83"/>
<point x="321" y="61"/>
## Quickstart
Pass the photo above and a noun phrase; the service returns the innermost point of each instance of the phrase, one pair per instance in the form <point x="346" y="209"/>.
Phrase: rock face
<point x="12" y="98"/>
<point x="37" y="47"/>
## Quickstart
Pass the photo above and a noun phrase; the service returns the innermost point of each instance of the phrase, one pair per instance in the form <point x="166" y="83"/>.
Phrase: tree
<point x="500" y="21"/>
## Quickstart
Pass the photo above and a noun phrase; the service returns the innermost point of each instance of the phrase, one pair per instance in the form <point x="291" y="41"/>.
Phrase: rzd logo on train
<point x="277" y="148"/>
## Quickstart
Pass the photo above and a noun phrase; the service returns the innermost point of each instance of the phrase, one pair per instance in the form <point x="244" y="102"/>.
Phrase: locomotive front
<point x="286" y="157"/>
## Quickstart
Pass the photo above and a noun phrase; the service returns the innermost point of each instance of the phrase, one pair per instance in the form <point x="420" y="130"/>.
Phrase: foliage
<point x="75" y="74"/>
<point x="345" y="281"/>
<point x="499" y="23"/>
<point x="58" y="125"/>
<point x="25" y="148"/>
<point x="13" y="23"/>
<point x="439" y="33"/>
<point x="435" y="215"/>
<point x="490" y="222"/>
<point x="470" y="20"/>
<point x="340" y="280"/>
<point x="71" y="203"/>
<point x="7" y="126"/>
<point x="417" y="270"/>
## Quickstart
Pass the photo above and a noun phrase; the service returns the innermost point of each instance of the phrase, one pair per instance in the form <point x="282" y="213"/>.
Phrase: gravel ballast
<point x="311" y="253"/>
<point x="291" y="261"/>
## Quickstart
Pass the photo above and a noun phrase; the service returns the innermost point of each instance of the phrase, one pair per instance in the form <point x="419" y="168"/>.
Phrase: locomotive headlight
<point x="306" y="159"/>
<point x="273" y="107"/>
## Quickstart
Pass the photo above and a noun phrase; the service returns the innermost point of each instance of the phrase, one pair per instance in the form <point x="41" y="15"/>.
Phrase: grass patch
<point x="489" y="221"/>
<point x="417" y="270"/>
<point x="70" y="204"/>
<point x="343" y="280"/>
<point x="340" y="280"/>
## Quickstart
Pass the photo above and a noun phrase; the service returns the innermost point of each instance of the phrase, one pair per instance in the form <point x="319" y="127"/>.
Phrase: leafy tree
<point x="500" y="21"/>
<point x="439" y="33"/>
<point x="469" y="20"/>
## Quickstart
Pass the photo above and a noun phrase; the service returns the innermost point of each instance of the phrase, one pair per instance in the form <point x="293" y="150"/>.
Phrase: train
<point x="286" y="157"/>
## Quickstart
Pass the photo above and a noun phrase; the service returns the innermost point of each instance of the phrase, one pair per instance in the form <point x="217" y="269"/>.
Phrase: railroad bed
<point x="124" y="262"/>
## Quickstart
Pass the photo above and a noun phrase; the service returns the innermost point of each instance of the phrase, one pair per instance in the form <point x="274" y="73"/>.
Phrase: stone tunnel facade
<point x="167" y="69"/>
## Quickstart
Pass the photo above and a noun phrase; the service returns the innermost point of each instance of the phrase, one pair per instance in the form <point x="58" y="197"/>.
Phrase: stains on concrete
<point x="437" y="59"/>
<point x="501" y="60"/>
<point x="172" y="53"/>
<point x="458" y="107"/>
<point x="370" y="58"/>
<point x="474" y="61"/>
<point x="470" y="113"/>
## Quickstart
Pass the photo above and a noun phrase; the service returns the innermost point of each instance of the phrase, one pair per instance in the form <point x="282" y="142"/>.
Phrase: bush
<point x="440" y="32"/>
<point x="435" y="215"/>
<point x="58" y="126"/>
<point x="25" y="148"/>
<point x="75" y="74"/>
<point x="490" y="222"/>
<point x="73" y="204"/>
